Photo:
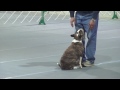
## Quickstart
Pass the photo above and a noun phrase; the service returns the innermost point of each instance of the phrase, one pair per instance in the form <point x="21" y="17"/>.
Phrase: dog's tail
<point x="59" y="65"/>
<point x="63" y="68"/>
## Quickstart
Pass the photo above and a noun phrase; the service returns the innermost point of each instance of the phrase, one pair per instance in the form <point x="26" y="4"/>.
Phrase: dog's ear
<point x="83" y="37"/>
<point x="72" y="35"/>
<point x="83" y="34"/>
<point x="80" y="32"/>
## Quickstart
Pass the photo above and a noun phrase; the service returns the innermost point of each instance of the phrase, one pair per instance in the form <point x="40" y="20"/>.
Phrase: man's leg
<point x="92" y="38"/>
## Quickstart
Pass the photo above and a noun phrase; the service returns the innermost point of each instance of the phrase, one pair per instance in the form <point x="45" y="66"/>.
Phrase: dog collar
<point x="74" y="40"/>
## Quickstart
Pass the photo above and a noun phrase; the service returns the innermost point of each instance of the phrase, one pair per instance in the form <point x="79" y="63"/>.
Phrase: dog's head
<point x="79" y="34"/>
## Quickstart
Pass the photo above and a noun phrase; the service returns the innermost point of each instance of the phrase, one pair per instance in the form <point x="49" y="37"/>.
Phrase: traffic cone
<point x="42" y="21"/>
<point x="115" y="15"/>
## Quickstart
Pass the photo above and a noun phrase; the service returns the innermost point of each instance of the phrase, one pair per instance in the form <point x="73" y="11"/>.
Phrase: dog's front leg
<point x="80" y="62"/>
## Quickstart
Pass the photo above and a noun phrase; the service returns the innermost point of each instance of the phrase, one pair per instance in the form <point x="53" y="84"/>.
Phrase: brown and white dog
<point x="72" y="57"/>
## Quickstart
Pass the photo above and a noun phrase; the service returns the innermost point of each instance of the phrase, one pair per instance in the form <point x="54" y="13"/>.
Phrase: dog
<point x="72" y="57"/>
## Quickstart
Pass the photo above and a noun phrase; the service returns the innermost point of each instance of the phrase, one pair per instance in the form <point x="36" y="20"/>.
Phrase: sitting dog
<point x="72" y="57"/>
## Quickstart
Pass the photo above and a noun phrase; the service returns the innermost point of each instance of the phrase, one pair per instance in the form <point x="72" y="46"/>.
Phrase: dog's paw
<point x="80" y="65"/>
<point x="76" y="67"/>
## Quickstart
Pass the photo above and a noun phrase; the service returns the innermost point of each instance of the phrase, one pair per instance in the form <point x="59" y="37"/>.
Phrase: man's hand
<point x="92" y="24"/>
<point x="72" y="21"/>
